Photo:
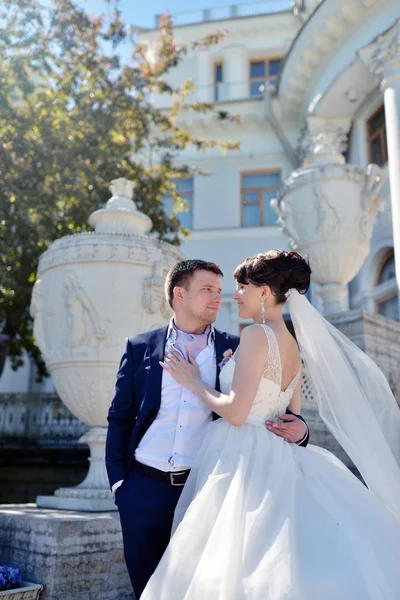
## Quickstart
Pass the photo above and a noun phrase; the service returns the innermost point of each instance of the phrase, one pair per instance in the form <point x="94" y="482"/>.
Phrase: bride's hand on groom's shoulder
<point x="187" y="373"/>
<point x="292" y="429"/>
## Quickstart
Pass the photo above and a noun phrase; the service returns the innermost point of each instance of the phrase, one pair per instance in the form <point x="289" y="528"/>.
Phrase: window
<point x="218" y="75"/>
<point x="262" y="71"/>
<point x="258" y="189"/>
<point x="376" y="134"/>
<point x="184" y="188"/>
<point x="388" y="304"/>
<point x="388" y="269"/>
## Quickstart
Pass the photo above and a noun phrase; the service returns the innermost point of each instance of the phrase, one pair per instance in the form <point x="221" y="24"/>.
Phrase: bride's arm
<point x="249" y="367"/>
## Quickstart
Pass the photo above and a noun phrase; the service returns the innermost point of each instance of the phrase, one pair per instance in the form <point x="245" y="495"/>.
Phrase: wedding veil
<point x="354" y="400"/>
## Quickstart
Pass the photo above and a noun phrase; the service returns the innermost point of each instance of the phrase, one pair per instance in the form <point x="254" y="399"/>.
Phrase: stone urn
<point x="327" y="210"/>
<point x="94" y="290"/>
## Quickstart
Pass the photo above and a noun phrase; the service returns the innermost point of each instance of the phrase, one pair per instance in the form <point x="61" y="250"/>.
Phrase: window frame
<point x="382" y="294"/>
<point x="383" y="299"/>
<point x="267" y="77"/>
<point x="260" y="191"/>
<point x="217" y="83"/>
<point x="384" y="259"/>
<point x="381" y="133"/>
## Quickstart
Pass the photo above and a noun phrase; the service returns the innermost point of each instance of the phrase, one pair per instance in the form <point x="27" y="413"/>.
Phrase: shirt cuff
<point x="117" y="485"/>
<point x="305" y="437"/>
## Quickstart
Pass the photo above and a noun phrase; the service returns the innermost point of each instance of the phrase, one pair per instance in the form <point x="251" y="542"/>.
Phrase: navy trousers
<point x="146" y="508"/>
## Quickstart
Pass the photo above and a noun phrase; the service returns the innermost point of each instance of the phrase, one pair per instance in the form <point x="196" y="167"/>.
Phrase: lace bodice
<point x="269" y="400"/>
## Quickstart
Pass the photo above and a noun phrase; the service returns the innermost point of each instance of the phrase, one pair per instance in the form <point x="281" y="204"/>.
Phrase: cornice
<point x="382" y="55"/>
<point x="321" y="35"/>
<point x="235" y="27"/>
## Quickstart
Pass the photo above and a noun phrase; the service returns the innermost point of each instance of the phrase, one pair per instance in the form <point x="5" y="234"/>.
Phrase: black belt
<point x="176" y="478"/>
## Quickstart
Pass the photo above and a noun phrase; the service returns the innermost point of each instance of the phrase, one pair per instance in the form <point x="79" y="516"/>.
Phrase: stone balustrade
<point x="41" y="419"/>
<point x="222" y="13"/>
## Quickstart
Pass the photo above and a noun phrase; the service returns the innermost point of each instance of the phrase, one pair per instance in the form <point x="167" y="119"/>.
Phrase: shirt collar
<point x="172" y="332"/>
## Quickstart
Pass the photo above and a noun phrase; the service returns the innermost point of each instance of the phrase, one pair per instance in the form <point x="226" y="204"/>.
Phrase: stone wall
<point x="76" y="556"/>
<point x="377" y="336"/>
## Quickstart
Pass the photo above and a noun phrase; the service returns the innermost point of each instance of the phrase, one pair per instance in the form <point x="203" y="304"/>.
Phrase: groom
<point x="156" y="426"/>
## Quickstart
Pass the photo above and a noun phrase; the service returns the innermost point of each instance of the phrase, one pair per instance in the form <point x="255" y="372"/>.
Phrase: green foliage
<point x="73" y="117"/>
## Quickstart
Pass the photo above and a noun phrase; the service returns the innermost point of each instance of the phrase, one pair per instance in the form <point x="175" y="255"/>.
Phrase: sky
<point x="142" y="12"/>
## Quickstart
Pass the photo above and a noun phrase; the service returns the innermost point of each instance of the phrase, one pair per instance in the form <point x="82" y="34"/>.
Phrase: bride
<point x="262" y="519"/>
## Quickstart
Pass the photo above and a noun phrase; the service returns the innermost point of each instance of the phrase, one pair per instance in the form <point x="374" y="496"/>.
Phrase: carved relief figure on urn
<point x="84" y="330"/>
<point x="328" y="218"/>
<point x="153" y="299"/>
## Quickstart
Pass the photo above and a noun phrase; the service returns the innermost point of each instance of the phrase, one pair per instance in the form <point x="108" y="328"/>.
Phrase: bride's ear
<point x="266" y="292"/>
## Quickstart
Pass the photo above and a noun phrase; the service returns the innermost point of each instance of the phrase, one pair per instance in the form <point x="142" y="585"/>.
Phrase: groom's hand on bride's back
<point x="292" y="429"/>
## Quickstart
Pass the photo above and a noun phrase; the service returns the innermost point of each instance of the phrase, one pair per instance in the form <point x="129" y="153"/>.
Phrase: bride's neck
<point x="272" y="317"/>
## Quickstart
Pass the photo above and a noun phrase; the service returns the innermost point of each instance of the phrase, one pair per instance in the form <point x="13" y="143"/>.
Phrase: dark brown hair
<point x="183" y="271"/>
<point x="279" y="270"/>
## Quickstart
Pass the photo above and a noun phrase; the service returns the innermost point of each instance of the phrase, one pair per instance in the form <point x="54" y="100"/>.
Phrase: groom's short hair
<point x="182" y="272"/>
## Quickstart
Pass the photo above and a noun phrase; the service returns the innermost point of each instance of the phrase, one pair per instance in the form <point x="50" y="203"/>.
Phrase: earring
<point x="263" y="310"/>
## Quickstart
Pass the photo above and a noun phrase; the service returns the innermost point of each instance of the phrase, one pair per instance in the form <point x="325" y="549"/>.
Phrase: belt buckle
<point x="171" y="478"/>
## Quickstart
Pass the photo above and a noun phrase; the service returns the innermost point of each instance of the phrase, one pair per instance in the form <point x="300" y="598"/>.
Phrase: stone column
<point x="205" y="77"/>
<point x="382" y="57"/>
<point x="236" y="73"/>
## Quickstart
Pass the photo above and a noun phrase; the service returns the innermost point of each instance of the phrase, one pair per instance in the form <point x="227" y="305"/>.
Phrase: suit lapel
<point x="220" y="347"/>
<point x="156" y="351"/>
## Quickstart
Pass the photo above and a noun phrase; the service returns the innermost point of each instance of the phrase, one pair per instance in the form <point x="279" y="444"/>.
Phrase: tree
<point x="74" y="116"/>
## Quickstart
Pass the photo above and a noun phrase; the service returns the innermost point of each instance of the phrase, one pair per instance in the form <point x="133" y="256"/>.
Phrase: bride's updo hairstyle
<point x="281" y="271"/>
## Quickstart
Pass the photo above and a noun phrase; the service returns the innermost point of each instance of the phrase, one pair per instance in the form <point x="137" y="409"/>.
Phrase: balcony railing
<point x="228" y="12"/>
<point x="38" y="418"/>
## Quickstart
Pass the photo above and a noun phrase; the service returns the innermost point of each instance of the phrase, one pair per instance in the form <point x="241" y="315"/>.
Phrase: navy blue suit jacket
<point x="138" y="396"/>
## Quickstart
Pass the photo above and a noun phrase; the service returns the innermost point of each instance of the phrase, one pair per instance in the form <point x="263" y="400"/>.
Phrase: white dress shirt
<point x="175" y="436"/>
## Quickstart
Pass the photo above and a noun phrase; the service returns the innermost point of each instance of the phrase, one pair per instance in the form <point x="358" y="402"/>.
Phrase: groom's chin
<point x="210" y="317"/>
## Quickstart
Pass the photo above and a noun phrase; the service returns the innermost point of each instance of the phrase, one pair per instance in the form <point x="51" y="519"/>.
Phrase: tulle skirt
<point x="261" y="519"/>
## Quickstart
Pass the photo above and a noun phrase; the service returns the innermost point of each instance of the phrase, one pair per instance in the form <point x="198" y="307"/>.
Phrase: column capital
<point x="382" y="55"/>
<point x="324" y="140"/>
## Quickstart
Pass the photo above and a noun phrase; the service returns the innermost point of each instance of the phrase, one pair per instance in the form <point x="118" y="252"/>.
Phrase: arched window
<point x="386" y="291"/>
<point x="388" y="270"/>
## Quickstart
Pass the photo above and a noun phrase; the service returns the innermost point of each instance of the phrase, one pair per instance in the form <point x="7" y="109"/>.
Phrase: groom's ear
<point x="178" y="293"/>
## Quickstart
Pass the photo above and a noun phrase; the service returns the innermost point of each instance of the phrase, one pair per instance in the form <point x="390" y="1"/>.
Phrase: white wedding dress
<point x="262" y="519"/>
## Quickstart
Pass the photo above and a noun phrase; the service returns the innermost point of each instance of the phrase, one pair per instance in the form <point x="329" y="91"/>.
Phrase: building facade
<point x="302" y="77"/>
<point x="326" y="95"/>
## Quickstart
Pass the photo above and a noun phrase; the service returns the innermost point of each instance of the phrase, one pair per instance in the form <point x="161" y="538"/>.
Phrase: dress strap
<point x="273" y="366"/>
<point x="292" y="386"/>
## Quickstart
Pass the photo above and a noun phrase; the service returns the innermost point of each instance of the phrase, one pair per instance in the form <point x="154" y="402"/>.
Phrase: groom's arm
<point x="291" y="427"/>
<point x="303" y="441"/>
<point x="121" y="420"/>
